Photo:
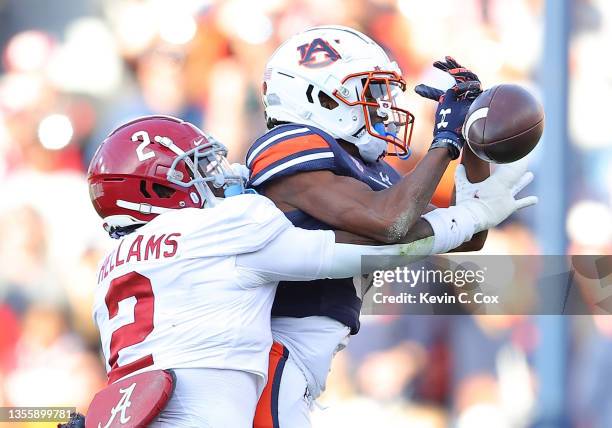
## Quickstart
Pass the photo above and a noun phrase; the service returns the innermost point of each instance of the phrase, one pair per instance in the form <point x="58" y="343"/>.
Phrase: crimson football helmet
<point x="154" y="164"/>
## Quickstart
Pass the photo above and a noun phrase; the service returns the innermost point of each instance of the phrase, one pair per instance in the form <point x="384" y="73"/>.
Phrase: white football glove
<point x="493" y="200"/>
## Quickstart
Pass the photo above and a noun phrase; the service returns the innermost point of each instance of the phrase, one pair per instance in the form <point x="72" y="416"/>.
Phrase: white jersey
<point x="194" y="287"/>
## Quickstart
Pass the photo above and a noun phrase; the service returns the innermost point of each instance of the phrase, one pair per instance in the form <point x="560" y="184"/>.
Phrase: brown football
<point x="504" y="124"/>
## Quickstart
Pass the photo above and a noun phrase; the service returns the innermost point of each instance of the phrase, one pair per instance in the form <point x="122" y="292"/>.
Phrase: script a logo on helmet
<point x="317" y="53"/>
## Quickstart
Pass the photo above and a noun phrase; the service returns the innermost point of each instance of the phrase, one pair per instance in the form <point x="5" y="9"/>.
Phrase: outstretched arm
<point x="299" y="254"/>
<point x="348" y="204"/>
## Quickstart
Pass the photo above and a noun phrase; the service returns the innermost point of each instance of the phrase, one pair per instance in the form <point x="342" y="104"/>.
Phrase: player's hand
<point x="76" y="420"/>
<point x="494" y="200"/>
<point x="467" y="83"/>
<point x="453" y="105"/>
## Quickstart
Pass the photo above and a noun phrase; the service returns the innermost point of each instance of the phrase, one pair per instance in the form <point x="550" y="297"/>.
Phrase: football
<point x="504" y="124"/>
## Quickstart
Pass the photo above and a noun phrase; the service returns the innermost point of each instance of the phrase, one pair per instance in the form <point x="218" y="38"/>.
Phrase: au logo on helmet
<point x="317" y="53"/>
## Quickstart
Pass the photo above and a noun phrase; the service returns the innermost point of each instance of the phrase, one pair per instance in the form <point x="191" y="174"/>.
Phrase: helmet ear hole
<point x="326" y="101"/>
<point x="143" y="189"/>
<point x="162" y="191"/>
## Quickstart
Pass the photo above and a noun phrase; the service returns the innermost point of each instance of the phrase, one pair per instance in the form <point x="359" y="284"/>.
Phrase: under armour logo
<point x="121" y="406"/>
<point x="385" y="178"/>
<point x="443" y="123"/>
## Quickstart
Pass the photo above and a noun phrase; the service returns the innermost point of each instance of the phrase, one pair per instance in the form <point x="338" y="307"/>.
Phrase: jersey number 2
<point x="129" y="285"/>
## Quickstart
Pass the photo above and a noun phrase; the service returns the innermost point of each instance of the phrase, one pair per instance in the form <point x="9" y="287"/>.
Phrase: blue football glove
<point x="453" y="105"/>
<point x="77" y="420"/>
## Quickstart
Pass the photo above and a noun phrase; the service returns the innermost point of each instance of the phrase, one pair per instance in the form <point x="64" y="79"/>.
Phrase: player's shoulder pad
<point x="236" y="225"/>
<point x="288" y="149"/>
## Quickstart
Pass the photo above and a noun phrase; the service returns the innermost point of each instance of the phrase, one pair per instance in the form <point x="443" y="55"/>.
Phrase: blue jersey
<point x="290" y="149"/>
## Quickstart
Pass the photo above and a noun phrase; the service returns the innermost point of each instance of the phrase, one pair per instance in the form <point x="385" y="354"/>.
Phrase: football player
<point x="191" y="289"/>
<point x="333" y="106"/>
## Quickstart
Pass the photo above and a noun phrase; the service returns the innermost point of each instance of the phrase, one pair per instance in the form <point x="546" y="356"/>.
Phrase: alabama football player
<point x="333" y="106"/>
<point x="190" y="283"/>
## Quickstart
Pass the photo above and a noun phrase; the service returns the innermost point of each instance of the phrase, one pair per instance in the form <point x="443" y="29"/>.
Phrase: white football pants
<point x="211" y="398"/>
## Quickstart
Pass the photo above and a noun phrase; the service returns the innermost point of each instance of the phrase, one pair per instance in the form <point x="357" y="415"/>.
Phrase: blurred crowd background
<point x="71" y="70"/>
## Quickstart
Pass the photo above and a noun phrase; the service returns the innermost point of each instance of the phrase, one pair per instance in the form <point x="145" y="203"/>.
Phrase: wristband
<point x="452" y="227"/>
<point x="450" y="141"/>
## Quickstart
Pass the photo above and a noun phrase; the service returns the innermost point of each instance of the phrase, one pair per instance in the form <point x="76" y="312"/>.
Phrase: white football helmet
<point x="341" y="81"/>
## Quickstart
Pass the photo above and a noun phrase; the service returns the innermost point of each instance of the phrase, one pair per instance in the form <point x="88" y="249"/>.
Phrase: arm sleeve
<point x="294" y="255"/>
<point x="303" y="255"/>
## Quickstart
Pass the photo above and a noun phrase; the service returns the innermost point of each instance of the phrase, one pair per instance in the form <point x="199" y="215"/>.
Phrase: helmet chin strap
<point x="382" y="130"/>
<point x="142" y="208"/>
<point x="233" y="190"/>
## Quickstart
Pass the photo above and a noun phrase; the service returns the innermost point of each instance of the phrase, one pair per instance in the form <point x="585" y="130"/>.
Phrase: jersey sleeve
<point x="289" y="149"/>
